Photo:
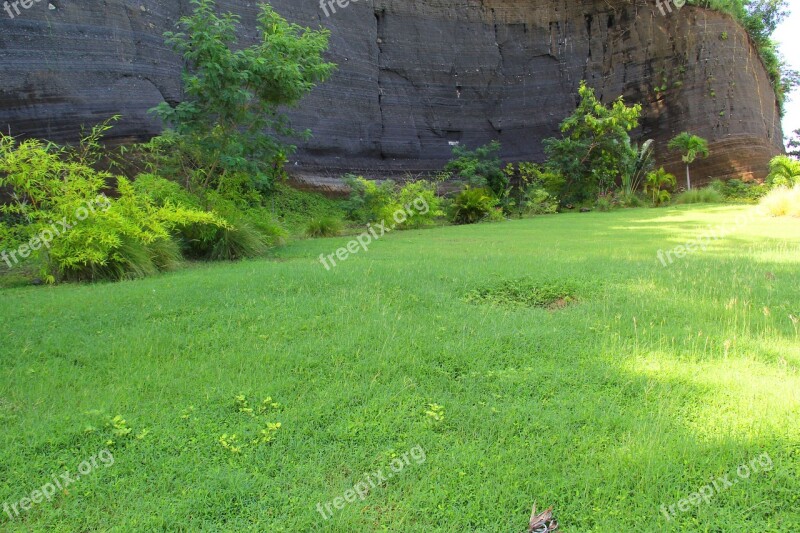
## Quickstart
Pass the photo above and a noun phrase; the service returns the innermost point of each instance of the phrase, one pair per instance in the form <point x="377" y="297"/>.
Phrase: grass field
<point x="649" y="385"/>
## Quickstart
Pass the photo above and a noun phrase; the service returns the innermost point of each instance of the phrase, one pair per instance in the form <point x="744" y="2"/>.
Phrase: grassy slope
<point x="606" y="409"/>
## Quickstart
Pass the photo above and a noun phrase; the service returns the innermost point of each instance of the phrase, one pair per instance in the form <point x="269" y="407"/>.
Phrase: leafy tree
<point x="793" y="144"/>
<point x="784" y="171"/>
<point x="230" y="116"/>
<point x="481" y="167"/>
<point x="691" y="147"/>
<point x="596" y="148"/>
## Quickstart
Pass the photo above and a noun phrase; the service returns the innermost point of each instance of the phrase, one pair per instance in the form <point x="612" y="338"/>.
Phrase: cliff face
<point x="416" y="76"/>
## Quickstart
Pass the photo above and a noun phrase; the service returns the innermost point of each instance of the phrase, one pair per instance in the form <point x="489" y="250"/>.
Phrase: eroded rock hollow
<point x="415" y="76"/>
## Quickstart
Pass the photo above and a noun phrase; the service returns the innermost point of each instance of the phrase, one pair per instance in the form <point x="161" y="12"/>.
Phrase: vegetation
<point x="657" y="186"/>
<point x="782" y="201"/>
<point x="691" y="147"/>
<point x="481" y="168"/>
<point x="760" y="18"/>
<point x="595" y="149"/>
<point x="784" y="171"/>
<point x="233" y="94"/>
<point x="650" y="383"/>
<point x="708" y="195"/>
<point x="475" y="205"/>
<point x="324" y="227"/>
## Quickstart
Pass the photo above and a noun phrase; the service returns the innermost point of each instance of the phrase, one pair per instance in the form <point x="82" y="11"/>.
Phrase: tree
<point x="232" y="95"/>
<point x="656" y="185"/>
<point x="691" y="147"/>
<point x="480" y="167"/>
<point x="784" y="171"/>
<point x="595" y="149"/>
<point x="793" y="144"/>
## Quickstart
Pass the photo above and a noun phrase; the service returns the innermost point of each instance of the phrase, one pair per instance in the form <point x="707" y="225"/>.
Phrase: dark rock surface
<point x="415" y="76"/>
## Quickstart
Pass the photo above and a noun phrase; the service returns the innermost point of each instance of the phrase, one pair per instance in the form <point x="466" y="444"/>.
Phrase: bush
<point x="368" y="199"/>
<point x="740" y="191"/>
<point x="784" y="171"/>
<point x="481" y="167"/>
<point x="657" y="185"/>
<point x="700" y="196"/>
<point x="293" y="208"/>
<point x="126" y="236"/>
<point x="323" y="227"/>
<point x="535" y="191"/>
<point x="474" y="205"/>
<point x="782" y="201"/>
<point x="419" y="202"/>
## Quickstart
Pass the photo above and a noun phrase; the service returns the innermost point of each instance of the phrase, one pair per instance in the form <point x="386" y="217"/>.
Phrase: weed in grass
<point x="524" y="293"/>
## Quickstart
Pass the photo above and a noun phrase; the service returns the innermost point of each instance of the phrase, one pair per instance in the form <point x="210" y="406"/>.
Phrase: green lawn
<point x="654" y="383"/>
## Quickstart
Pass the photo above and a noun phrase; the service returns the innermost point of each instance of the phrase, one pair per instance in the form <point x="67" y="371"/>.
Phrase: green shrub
<point x="708" y="195"/>
<point x="368" y="199"/>
<point x="293" y="208"/>
<point x="657" y="185"/>
<point x="416" y="205"/>
<point x="535" y="191"/>
<point x="124" y="236"/>
<point x="239" y="241"/>
<point x="782" y="201"/>
<point x="784" y="171"/>
<point x="740" y="191"/>
<point x="481" y="167"/>
<point x="323" y="227"/>
<point x="474" y="205"/>
<point x="605" y="202"/>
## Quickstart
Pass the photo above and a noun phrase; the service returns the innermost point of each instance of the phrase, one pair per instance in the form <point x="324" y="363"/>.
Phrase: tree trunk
<point x="688" y="179"/>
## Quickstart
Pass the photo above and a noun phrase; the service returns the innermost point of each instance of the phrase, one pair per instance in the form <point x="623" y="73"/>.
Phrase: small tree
<point x="657" y="184"/>
<point x="595" y="150"/>
<point x="230" y="113"/>
<point x="691" y="147"/>
<point x="481" y="167"/>
<point x="793" y="144"/>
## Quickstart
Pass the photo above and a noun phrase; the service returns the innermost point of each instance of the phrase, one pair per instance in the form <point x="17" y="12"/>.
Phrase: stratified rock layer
<point x="416" y="76"/>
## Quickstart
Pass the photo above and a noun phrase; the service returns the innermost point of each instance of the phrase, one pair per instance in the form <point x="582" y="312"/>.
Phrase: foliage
<point x="709" y="195"/>
<point x="481" y="168"/>
<point x="595" y="146"/>
<point x="640" y="166"/>
<point x="793" y="144"/>
<point x="101" y="237"/>
<point x="524" y="292"/>
<point x="293" y="207"/>
<point x="323" y="227"/>
<point x="368" y="199"/>
<point x="784" y="171"/>
<point x="760" y="18"/>
<point x="606" y="202"/>
<point x="532" y="190"/>
<point x="233" y="94"/>
<point x="371" y="201"/>
<point x="657" y="185"/>
<point x="782" y="201"/>
<point x="740" y="191"/>
<point x="418" y="199"/>
<point x="691" y="147"/>
<point x="474" y="205"/>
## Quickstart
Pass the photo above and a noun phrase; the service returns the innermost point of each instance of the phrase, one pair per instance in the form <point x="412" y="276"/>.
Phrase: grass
<point x="700" y="196"/>
<point x="653" y="381"/>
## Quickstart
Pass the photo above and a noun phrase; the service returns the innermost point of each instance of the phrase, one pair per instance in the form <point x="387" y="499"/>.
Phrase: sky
<point x="788" y="35"/>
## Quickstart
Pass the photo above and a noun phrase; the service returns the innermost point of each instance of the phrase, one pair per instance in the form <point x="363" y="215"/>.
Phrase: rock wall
<point x="415" y="76"/>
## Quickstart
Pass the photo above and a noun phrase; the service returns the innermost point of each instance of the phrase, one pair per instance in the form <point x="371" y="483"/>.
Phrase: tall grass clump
<point x="700" y="196"/>
<point x="782" y="201"/>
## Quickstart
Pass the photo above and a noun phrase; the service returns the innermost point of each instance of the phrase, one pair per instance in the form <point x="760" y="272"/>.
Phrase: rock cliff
<point x="415" y="76"/>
